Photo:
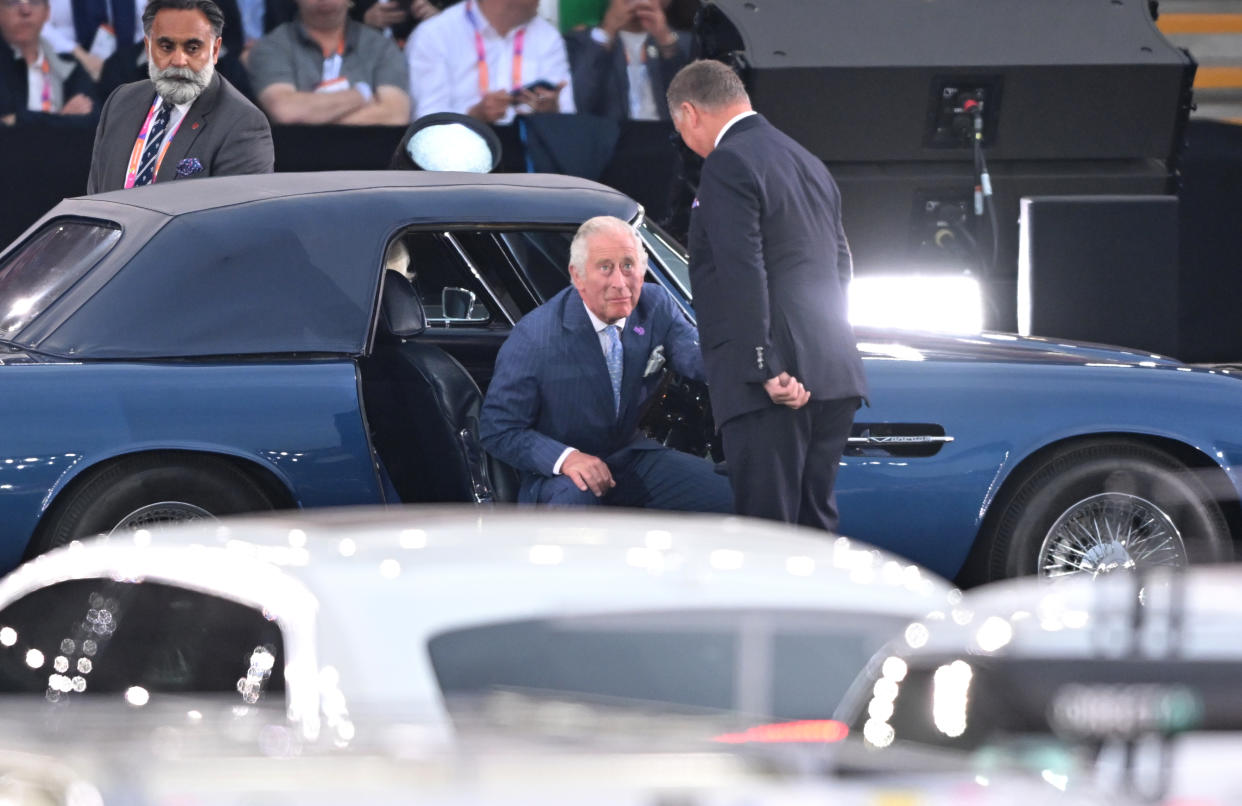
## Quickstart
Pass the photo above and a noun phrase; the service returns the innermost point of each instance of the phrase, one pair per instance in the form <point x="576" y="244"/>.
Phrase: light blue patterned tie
<point x="613" y="356"/>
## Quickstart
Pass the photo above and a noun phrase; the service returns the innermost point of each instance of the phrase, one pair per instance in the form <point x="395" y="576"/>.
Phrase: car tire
<point x="1103" y="505"/>
<point x="145" y="490"/>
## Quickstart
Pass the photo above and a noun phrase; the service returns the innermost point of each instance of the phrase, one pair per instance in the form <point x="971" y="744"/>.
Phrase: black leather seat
<point x="423" y="410"/>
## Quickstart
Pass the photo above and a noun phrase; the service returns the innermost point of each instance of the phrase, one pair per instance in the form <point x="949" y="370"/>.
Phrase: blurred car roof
<point x="360" y="593"/>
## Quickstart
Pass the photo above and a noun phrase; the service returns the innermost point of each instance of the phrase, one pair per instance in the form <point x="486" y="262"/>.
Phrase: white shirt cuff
<point x="556" y="468"/>
<point x="601" y="36"/>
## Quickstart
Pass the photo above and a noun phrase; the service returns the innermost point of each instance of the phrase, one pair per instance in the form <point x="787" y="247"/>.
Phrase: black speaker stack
<point x="1069" y="97"/>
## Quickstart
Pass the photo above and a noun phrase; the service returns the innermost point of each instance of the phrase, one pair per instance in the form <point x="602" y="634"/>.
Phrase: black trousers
<point x="783" y="462"/>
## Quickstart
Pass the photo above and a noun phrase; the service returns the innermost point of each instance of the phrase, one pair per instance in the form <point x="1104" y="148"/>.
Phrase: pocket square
<point x="189" y="167"/>
<point x="654" y="361"/>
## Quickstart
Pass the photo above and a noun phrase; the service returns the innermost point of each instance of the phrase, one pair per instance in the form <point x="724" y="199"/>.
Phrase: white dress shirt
<point x="720" y="135"/>
<point x="443" y="61"/>
<point x="642" y="99"/>
<point x="599" y="325"/>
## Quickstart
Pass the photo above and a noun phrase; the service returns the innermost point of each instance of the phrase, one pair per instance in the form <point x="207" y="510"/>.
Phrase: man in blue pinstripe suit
<point x="571" y="380"/>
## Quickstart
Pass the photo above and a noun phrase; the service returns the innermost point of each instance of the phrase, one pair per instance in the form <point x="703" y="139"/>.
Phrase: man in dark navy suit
<point x="769" y="267"/>
<point x="571" y="380"/>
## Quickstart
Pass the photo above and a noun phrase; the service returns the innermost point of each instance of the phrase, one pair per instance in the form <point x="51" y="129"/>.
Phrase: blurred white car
<point x="426" y="613"/>
<point x="111" y="754"/>
<point x="1130" y="682"/>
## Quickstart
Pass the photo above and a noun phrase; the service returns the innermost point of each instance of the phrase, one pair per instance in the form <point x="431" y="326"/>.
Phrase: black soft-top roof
<point x="273" y="264"/>
<point x="542" y="197"/>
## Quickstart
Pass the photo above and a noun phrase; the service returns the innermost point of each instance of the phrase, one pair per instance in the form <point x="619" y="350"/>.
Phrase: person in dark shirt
<point x="37" y="84"/>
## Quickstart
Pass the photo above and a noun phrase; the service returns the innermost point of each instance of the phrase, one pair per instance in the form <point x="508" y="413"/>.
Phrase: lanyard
<point x="518" y="42"/>
<point x="136" y="156"/>
<point x="332" y="63"/>
<point x="46" y="95"/>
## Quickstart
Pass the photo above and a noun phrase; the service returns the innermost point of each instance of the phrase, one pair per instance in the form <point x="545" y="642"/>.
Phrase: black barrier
<point x="40" y="166"/>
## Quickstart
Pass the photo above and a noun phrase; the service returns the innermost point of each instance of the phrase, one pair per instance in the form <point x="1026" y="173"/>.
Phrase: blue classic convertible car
<point x="173" y="353"/>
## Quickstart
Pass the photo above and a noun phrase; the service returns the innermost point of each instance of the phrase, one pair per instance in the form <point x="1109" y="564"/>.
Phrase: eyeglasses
<point x="16" y="3"/>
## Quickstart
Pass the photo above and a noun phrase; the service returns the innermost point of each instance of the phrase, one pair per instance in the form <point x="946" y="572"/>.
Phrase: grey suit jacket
<point x="226" y="133"/>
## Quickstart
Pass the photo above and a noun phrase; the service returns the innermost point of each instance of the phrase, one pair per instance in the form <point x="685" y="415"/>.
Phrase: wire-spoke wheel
<point x="1103" y="505"/>
<point x="146" y="490"/>
<point x="1111" y="532"/>
<point x="160" y="514"/>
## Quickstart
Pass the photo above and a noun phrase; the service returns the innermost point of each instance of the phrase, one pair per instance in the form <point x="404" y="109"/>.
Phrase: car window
<point x="543" y="256"/>
<point x="664" y="248"/>
<point x="39" y="271"/>
<point x="783" y="664"/>
<point x="104" y="636"/>
<point x="452" y="291"/>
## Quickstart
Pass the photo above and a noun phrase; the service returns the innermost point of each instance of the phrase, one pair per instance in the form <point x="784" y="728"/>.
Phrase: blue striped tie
<point x="613" y="356"/>
<point x="151" y="152"/>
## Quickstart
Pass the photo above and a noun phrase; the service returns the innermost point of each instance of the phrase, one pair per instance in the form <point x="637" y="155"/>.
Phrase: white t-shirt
<point x="443" y="61"/>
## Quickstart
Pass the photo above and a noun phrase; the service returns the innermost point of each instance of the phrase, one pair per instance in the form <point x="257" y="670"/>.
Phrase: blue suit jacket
<point x="551" y="389"/>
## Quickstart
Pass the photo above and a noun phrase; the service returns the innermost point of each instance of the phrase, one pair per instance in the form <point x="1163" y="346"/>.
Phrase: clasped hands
<point x="786" y="390"/>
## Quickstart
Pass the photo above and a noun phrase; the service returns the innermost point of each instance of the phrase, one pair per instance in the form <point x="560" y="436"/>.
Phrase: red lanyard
<point x="46" y="69"/>
<point x="518" y="42"/>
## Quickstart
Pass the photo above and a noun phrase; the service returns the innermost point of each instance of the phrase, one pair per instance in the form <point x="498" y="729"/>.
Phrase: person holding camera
<point x="395" y="18"/>
<point x="490" y="59"/>
<point x="622" y="67"/>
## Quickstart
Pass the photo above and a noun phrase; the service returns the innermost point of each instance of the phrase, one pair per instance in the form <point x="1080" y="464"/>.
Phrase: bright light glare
<point x="137" y="696"/>
<point x="945" y="304"/>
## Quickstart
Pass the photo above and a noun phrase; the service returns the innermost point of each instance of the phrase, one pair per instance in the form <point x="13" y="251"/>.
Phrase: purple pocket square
<point x="189" y="167"/>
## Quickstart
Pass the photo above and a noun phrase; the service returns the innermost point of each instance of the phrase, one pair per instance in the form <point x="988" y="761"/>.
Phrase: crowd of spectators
<point x="366" y="62"/>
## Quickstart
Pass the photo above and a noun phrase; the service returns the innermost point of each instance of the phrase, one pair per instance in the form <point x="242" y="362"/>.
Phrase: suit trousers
<point x="658" y="478"/>
<point x="783" y="462"/>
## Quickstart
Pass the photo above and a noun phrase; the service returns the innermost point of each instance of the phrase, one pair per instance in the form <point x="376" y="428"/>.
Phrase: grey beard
<point x="180" y="85"/>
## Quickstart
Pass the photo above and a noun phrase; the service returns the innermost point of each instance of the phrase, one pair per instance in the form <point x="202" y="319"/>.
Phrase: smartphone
<point x="541" y="84"/>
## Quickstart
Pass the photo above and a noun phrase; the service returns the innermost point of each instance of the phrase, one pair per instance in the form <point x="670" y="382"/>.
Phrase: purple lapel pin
<point x="639" y="329"/>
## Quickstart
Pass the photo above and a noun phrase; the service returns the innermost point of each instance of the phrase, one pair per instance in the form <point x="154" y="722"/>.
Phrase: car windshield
<point x="785" y="665"/>
<point x="664" y="248"/>
<point x="38" y="272"/>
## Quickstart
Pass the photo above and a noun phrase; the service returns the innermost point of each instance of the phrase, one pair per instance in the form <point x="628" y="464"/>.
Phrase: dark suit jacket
<point x="226" y="133"/>
<point x="551" y="388"/>
<point x="601" y="82"/>
<point x="14" y="87"/>
<point x="770" y="267"/>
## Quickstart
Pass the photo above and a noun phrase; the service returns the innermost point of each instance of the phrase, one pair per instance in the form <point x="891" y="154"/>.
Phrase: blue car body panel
<point x="299" y="421"/>
<point x="931" y="508"/>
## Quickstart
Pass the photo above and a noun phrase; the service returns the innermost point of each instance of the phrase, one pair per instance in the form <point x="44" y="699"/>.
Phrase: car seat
<point x="422" y="407"/>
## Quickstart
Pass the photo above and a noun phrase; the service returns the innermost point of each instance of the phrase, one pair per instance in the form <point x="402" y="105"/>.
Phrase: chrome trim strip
<point x="912" y="439"/>
<point x="478" y="277"/>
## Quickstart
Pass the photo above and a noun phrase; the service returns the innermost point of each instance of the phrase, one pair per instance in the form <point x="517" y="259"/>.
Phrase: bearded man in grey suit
<point x="769" y="266"/>
<point x="186" y="121"/>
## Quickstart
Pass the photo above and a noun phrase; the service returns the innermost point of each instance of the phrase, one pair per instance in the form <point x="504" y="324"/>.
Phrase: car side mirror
<point x="458" y="305"/>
